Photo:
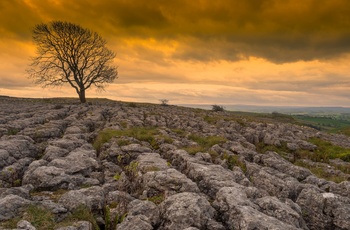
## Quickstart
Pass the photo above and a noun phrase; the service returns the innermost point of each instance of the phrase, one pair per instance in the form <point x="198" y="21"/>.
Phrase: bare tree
<point x="68" y="53"/>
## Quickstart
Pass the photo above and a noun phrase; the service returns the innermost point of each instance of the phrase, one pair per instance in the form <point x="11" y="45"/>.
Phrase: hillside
<point x="116" y="165"/>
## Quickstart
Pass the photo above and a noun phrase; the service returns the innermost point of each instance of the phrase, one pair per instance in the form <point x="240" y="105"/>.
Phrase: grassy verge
<point x="204" y="143"/>
<point x="141" y="133"/>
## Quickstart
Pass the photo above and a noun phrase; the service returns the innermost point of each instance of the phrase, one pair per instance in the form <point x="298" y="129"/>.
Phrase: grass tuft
<point x="204" y="143"/>
<point x="141" y="133"/>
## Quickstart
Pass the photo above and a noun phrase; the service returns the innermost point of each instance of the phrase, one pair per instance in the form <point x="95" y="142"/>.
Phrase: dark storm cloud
<point x="280" y="31"/>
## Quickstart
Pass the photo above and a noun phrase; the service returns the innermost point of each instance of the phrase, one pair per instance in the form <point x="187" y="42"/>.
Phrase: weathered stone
<point x="282" y="211"/>
<point x="342" y="188"/>
<point x="22" y="191"/>
<point x="209" y="177"/>
<point x="168" y="182"/>
<point x="135" y="148"/>
<point x="275" y="183"/>
<point x="78" y="161"/>
<point x="238" y="212"/>
<point x="53" y="152"/>
<point x="23" y="224"/>
<point x="319" y="209"/>
<point x="11" y="206"/>
<point x="146" y="208"/>
<point x="80" y="225"/>
<point x="151" y="162"/>
<point x="92" y="198"/>
<point x="135" y="222"/>
<point x="273" y="160"/>
<point x="185" y="210"/>
<point x="19" y="146"/>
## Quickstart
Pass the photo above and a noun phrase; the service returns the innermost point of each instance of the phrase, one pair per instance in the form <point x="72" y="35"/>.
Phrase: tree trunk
<point x="82" y="96"/>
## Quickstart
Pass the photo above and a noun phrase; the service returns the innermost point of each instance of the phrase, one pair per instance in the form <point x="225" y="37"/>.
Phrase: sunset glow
<point x="257" y="52"/>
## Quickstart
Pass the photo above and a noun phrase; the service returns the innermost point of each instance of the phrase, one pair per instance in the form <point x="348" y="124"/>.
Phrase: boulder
<point x="282" y="211"/>
<point x="324" y="210"/>
<point x="185" y="210"/>
<point x="93" y="198"/>
<point x="23" y="224"/>
<point x="238" y="212"/>
<point x="145" y="208"/>
<point x="135" y="222"/>
<point x="168" y="182"/>
<point x="11" y="206"/>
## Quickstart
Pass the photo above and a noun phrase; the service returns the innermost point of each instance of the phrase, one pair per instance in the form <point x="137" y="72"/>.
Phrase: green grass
<point x="80" y="213"/>
<point x="233" y="160"/>
<point x="321" y="172"/>
<point x="204" y="143"/>
<point x="141" y="133"/>
<point x="38" y="216"/>
<point x="157" y="199"/>
<point x="326" y="150"/>
<point x="179" y="132"/>
<point x="330" y="124"/>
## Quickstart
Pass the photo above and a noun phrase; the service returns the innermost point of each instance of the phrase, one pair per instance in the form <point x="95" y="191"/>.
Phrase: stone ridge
<point x="144" y="166"/>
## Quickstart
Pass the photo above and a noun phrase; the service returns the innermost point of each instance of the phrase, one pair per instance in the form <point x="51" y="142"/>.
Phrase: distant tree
<point x="164" y="102"/>
<point x="69" y="53"/>
<point x="217" y="108"/>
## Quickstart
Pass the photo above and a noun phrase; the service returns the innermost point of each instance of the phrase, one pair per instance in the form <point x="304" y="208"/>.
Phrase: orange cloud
<point x="229" y="51"/>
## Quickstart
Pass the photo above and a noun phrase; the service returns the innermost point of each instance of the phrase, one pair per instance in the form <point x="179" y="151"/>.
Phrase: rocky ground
<point x="113" y="165"/>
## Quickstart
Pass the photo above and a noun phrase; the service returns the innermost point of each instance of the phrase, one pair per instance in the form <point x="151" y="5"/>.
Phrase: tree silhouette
<point x="69" y="53"/>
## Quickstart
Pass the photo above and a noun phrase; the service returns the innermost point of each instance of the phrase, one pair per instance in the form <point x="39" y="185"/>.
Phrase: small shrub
<point x="117" y="176"/>
<point x="58" y="106"/>
<point x="164" y="102"/>
<point x="131" y="170"/>
<point x="212" y="119"/>
<point x="233" y="160"/>
<point x="157" y="199"/>
<point x="218" y="108"/>
<point x="12" y="131"/>
<point x="103" y="137"/>
<point x="132" y="105"/>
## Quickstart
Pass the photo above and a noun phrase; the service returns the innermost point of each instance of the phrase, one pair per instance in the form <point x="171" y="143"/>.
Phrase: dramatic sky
<point x="258" y="52"/>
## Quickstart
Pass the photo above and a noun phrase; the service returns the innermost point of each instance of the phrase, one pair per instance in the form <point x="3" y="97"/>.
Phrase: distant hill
<point x="292" y="110"/>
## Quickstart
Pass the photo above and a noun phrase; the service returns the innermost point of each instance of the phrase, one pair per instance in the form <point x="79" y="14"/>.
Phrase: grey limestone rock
<point x="238" y="212"/>
<point x="135" y="222"/>
<point x="324" y="210"/>
<point x="19" y="146"/>
<point x="168" y="182"/>
<point x="78" y="161"/>
<point x="93" y="198"/>
<point x="136" y="148"/>
<point x="209" y="177"/>
<point x="274" y="182"/>
<point x="283" y="211"/>
<point x="151" y="162"/>
<point x="11" y="206"/>
<point x="52" y="152"/>
<point x="23" y="224"/>
<point x="273" y="160"/>
<point x="146" y="208"/>
<point x="185" y="210"/>
<point x="23" y="191"/>
<point x="80" y="225"/>
<point x="342" y="188"/>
